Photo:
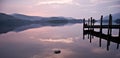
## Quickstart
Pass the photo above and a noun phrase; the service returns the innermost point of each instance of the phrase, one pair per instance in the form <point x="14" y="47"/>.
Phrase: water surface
<point x="41" y="42"/>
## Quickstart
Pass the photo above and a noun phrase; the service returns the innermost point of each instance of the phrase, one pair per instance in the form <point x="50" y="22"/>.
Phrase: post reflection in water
<point x="102" y="36"/>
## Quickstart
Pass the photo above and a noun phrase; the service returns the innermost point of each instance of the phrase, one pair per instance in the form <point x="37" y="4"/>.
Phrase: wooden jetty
<point x="90" y="26"/>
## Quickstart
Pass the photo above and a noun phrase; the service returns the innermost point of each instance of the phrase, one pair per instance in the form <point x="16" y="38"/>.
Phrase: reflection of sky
<point x="67" y="8"/>
<point x="41" y="43"/>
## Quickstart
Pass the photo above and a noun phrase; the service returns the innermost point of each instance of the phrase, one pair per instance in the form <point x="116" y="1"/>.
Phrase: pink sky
<point x="66" y="8"/>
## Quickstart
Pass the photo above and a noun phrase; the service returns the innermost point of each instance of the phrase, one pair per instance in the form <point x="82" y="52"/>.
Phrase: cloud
<point x="58" y="2"/>
<point x="95" y="2"/>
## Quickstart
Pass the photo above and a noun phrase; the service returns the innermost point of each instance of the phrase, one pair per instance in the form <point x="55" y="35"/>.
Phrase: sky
<point x="65" y="8"/>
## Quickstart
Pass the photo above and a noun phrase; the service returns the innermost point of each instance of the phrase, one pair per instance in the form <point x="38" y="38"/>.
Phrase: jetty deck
<point x="89" y="26"/>
<point x="103" y="26"/>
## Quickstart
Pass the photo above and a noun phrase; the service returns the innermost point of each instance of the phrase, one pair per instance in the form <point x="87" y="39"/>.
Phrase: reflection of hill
<point x="22" y="28"/>
<point x="11" y="23"/>
<point x="8" y="23"/>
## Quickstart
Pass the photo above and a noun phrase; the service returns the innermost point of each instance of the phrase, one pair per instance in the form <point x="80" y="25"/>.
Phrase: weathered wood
<point x="103" y="26"/>
<point x="109" y="25"/>
<point x="83" y="27"/>
<point x="99" y="34"/>
<point x="101" y="20"/>
<point x="83" y="22"/>
<point x="88" y="27"/>
<point x="93" y="23"/>
<point x="119" y="32"/>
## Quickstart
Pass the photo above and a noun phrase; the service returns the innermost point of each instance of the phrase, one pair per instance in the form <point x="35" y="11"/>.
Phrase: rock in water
<point x="57" y="51"/>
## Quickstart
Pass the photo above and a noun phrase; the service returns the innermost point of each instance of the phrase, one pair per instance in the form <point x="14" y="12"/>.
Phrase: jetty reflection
<point x="88" y="28"/>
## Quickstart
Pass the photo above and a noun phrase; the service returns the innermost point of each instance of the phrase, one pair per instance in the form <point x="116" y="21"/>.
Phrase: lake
<point x="41" y="42"/>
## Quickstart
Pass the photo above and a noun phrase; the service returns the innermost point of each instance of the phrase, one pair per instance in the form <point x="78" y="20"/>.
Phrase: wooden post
<point x="110" y="24"/>
<point x="88" y="23"/>
<point x="83" y="23"/>
<point x="109" y="31"/>
<point x="91" y="29"/>
<point x="101" y="20"/>
<point x="88" y="27"/>
<point x="83" y="28"/>
<point x="91" y="23"/>
<point x="119" y="32"/>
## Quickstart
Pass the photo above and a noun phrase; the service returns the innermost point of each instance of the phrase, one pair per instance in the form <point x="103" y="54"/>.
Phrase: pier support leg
<point x="83" y="28"/>
<point x="109" y="31"/>
<point x="101" y="20"/>
<point x="119" y="32"/>
<point x="88" y="28"/>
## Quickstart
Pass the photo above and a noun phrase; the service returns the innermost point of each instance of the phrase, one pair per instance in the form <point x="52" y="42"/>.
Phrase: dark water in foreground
<point x="43" y="41"/>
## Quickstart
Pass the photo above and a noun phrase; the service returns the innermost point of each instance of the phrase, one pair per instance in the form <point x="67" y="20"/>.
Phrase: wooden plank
<point x="103" y="26"/>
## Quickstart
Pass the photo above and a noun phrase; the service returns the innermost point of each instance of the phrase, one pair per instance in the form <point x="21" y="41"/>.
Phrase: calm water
<point x="41" y="42"/>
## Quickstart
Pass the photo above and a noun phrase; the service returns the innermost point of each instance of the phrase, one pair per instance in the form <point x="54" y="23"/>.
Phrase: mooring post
<point x="119" y="31"/>
<point x="109" y="29"/>
<point x="88" y="23"/>
<point x="110" y="24"/>
<point x="83" y="23"/>
<point x="91" y="29"/>
<point x="91" y="23"/>
<point x="101" y="21"/>
<point x="119" y="38"/>
<point x="88" y="27"/>
<point x="83" y="28"/>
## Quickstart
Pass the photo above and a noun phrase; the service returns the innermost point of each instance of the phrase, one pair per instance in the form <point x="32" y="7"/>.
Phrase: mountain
<point x="117" y="21"/>
<point x="26" y="17"/>
<point x="10" y="20"/>
<point x="116" y="18"/>
<point x="38" y="19"/>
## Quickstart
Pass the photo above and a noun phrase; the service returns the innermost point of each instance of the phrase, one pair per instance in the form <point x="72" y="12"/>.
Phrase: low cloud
<point x="58" y="2"/>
